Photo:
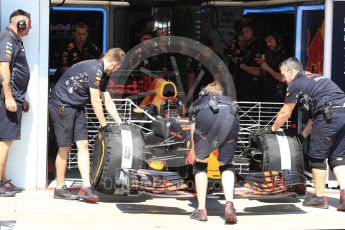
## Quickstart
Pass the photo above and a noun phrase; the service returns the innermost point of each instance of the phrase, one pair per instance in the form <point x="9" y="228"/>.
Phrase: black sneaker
<point x="6" y="192"/>
<point x="64" y="193"/>
<point x="316" y="201"/>
<point x="8" y="184"/>
<point x="199" y="214"/>
<point x="87" y="194"/>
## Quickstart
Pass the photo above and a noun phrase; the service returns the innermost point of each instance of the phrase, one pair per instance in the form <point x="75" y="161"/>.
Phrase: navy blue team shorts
<point x="70" y="124"/>
<point x="214" y="131"/>
<point x="327" y="139"/>
<point x="10" y="123"/>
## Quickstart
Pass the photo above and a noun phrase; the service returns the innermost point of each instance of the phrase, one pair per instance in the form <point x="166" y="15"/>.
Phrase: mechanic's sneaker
<point x="87" y="194"/>
<point x="8" y="184"/>
<point x="6" y="192"/>
<point x="341" y="206"/>
<point x="199" y="214"/>
<point x="230" y="216"/>
<point x="316" y="201"/>
<point x="64" y="193"/>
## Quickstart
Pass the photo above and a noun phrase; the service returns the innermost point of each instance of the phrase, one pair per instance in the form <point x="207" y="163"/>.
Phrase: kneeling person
<point x="215" y="125"/>
<point x="83" y="82"/>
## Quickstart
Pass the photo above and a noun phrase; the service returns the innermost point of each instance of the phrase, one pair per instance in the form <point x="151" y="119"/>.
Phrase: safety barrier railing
<point x="253" y="115"/>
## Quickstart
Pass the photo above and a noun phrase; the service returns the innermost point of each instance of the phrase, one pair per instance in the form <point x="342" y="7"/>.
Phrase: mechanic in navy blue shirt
<point x="80" y="49"/>
<point x="250" y="81"/>
<point x="14" y="70"/>
<point x="83" y="82"/>
<point x="273" y="81"/>
<point x="325" y="102"/>
<point x="215" y="126"/>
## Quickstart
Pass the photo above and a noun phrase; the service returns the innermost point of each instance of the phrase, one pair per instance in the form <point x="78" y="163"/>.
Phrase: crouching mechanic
<point x="83" y="82"/>
<point x="215" y="125"/>
<point x="326" y="104"/>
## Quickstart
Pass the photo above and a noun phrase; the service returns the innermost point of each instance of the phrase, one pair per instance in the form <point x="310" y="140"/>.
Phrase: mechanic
<point x="274" y="86"/>
<point x="83" y="82"/>
<point x="215" y="124"/>
<point x="145" y="56"/>
<point x="250" y="80"/>
<point x="15" y="72"/>
<point x="80" y="49"/>
<point x="326" y="104"/>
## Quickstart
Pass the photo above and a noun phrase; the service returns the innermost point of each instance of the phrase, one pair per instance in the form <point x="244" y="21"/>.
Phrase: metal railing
<point x="253" y="115"/>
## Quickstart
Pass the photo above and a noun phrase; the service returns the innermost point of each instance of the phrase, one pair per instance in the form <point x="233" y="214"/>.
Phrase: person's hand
<point x="107" y="127"/>
<point x="301" y="138"/>
<point x="26" y="106"/>
<point x="266" y="130"/>
<point x="11" y="104"/>
<point x="259" y="60"/>
<point x="264" y="66"/>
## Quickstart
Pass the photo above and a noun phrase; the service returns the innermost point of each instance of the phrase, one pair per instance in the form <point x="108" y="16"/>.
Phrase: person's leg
<point x="227" y="171"/>
<point x="228" y="182"/>
<point x="201" y="182"/>
<point x="319" y="173"/>
<point x="63" y="119"/>
<point x="84" y="162"/>
<point x="4" y="190"/>
<point x="4" y="149"/>
<point x="61" y="191"/>
<point x="226" y="154"/>
<point x="10" y="130"/>
<point x="61" y="165"/>
<point x="319" y="179"/>
<point x="336" y="159"/>
<point x="339" y="172"/>
<point x="81" y="137"/>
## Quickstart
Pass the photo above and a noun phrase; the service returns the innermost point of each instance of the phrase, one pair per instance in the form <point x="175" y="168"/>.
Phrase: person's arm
<point x="10" y="103"/>
<point x="307" y="129"/>
<point x="110" y="107"/>
<point x="283" y="115"/>
<point x="276" y="75"/>
<point x="97" y="106"/>
<point x="253" y="70"/>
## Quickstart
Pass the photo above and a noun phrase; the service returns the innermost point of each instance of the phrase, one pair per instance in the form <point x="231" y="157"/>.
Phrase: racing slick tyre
<point x="280" y="151"/>
<point x="120" y="146"/>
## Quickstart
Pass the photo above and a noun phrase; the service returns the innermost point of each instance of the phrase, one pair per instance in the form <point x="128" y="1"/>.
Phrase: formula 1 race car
<point x="155" y="156"/>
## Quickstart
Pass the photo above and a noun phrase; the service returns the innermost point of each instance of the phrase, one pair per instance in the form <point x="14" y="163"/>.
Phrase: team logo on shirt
<point x="98" y="77"/>
<point x="76" y="81"/>
<point x="8" y="50"/>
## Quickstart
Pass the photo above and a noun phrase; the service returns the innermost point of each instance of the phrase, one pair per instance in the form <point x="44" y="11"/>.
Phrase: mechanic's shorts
<point x="328" y="138"/>
<point x="70" y="124"/>
<point x="214" y="131"/>
<point x="10" y="123"/>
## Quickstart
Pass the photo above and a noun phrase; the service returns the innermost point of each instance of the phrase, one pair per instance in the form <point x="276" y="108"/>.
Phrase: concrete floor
<point x="38" y="210"/>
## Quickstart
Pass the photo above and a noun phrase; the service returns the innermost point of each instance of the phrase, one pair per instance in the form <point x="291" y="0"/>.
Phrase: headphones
<point x="21" y="25"/>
